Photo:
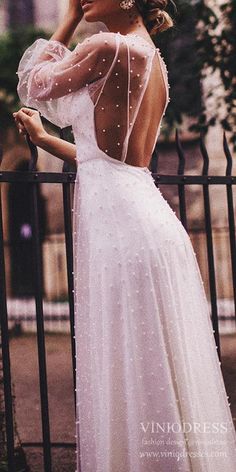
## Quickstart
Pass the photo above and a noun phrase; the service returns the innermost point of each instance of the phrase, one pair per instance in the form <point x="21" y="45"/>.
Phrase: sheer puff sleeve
<point x="50" y="74"/>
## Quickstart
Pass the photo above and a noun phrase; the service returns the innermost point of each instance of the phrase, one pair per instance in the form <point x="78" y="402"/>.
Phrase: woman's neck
<point x="128" y="23"/>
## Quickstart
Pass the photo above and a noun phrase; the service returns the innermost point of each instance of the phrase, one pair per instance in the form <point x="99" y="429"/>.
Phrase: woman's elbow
<point x="38" y="94"/>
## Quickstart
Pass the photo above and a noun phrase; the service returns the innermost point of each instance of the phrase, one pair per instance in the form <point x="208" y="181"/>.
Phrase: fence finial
<point x="33" y="153"/>
<point x="204" y="153"/>
<point x="1" y="153"/>
<point x="180" y="153"/>
<point x="227" y="155"/>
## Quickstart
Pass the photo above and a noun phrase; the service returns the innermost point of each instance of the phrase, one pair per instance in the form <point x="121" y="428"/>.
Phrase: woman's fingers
<point x="29" y="112"/>
<point x="23" y="118"/>
<point x="24" y="113"/>
<point x="29" y="121"/>
<point x="19" y="123"/>
<point x="20" y="126"/>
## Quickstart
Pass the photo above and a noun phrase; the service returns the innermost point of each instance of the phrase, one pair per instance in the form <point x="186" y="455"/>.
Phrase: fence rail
<point x="66" y="178"/>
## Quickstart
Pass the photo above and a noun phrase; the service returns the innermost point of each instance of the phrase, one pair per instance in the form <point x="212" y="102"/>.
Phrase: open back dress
<point x="150" y="392"/>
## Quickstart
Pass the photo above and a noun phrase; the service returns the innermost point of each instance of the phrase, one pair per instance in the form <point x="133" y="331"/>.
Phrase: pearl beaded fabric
<point x="149" y="388"/>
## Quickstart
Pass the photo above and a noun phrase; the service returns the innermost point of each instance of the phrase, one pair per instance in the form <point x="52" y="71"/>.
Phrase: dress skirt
<point x="150" y="392"/>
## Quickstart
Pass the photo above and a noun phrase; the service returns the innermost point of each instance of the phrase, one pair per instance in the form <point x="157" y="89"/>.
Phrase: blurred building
<point x="42" y="13"/>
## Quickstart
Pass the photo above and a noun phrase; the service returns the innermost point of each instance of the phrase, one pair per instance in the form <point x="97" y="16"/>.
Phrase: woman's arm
<point x="65" y="30"/>
<point x="29" y="121"/>
<point x="72" y="18"/>
<point x="58" y="147"/>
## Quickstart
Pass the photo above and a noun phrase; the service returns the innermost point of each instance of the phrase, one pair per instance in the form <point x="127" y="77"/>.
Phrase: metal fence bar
<point x="59" y="177"/>
<point x="231" y="220"/>
<point x="5" y="350"/>
<point x="38" y="286"/>
<point x="210" y="253"/>
<point x="181" y="185"/>
<point x="67" y="445"/>
<point x="70" y="278"/>
<point x="69" y="261"/>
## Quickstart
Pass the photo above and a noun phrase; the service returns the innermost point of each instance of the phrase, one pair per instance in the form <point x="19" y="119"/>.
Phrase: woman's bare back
<point x="126" y="80"/>
<point x="146" y="105"/>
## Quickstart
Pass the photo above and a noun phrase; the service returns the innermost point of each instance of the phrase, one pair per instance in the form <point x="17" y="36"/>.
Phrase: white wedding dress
<point x="150" y="392"/>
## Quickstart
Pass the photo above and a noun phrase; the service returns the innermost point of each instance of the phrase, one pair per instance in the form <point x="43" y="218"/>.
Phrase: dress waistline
<point x="117" y="163"/>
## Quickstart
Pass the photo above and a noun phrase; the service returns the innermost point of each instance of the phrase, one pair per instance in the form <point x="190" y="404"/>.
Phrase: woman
<point x="150" y="393"/>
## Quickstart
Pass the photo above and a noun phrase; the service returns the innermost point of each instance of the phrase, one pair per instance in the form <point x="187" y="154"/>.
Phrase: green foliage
<point x="12" y="46"/>
<point x="3" y="466"/>
<point x="205" y="42"/>
<point x="217" y="51"/>
<point x="179" y="48"/>
<point x="226" y="57"/>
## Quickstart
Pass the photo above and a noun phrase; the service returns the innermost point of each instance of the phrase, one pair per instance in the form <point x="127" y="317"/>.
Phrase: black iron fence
<point x="33" y="178"/>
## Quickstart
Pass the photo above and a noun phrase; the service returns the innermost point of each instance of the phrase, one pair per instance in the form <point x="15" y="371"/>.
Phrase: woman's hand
<point x="72" y="18"/>
<point x="75" y="9"/>
<point x="29" y="121"/>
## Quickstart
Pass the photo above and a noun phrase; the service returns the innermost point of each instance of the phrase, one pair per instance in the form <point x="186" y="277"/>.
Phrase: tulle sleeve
<point x="50" y="74"/>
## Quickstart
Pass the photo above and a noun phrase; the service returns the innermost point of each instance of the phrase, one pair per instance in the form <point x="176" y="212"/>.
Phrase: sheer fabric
<point x="150" y="393"/>
<point x="115" y="70"/>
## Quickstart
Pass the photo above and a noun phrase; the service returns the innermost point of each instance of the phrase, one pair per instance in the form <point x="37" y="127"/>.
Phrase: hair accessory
<point x="127" y="4"/>
<point x="174" y="6"/>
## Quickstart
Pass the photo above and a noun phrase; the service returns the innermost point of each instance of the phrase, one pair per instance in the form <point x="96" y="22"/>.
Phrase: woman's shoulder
<point x="106" y="44"/>
<point x="103" y="40"/>
<point x="100" y="46"/>
<point x="110" y="40"/>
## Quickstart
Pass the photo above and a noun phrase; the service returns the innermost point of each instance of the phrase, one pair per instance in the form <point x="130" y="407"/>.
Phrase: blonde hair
<point x="155" y="17"/>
